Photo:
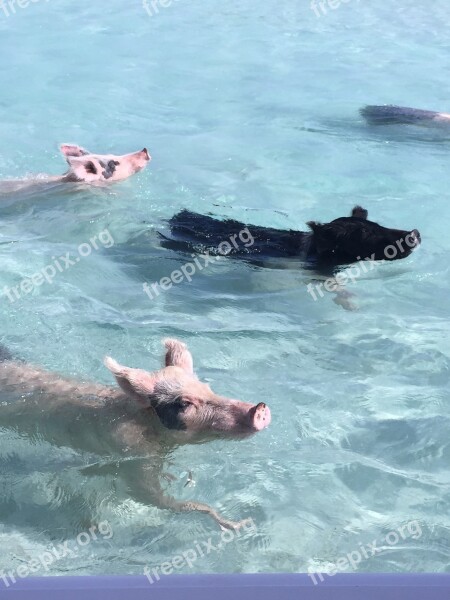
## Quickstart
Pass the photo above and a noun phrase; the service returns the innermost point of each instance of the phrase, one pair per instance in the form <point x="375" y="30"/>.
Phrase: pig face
<point x="102" y="168"/>
<point x="182" y="403"/>
<point x="349" y="239"/>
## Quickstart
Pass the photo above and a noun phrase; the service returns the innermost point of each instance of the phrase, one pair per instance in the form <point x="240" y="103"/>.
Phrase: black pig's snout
<point x="415" y="238"/>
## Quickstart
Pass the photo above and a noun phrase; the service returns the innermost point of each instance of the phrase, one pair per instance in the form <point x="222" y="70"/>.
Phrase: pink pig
<point x="84" y="167"/>
<point x="148" y="416"/>
<point x="101" y="168"/>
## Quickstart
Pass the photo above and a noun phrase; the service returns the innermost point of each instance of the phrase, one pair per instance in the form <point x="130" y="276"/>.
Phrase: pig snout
<point x="245" y="418"/>
<point x="141" y="158"/>
<point x="259" y="416"/>
<point x="226" y="417"/>
<point x="137" y="161"/>
<point x="415" y="238"/>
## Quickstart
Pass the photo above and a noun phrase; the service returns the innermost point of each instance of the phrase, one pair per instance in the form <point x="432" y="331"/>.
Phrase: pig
<point x="84" y="167"/>
<point x="324" y="248"/>
<point x="401" y="115"/>
<point x="101" y="168"/>
<point x="147" y="415"/>
<point x="327" y="245"/>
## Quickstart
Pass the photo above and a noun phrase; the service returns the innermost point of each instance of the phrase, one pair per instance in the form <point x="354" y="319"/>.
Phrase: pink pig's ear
<point x="177" y="355"/>
<point x="136" y="383"/>
<point x="72" y="150"/>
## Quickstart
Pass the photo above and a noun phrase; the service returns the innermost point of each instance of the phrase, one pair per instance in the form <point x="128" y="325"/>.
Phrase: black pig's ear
<point x="359" y="212"/>
<point x="177" y="355"/>
<point x="314" y="225"/>
<point x="324" y="237"/>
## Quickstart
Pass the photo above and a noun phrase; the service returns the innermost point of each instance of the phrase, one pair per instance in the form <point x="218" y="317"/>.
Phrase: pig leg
<point x="343" y="298"/>
<point x="145" y="479"/>
<point x="169" y="477"/>
<point x="177" y="355"/>
<point x="191" y="506"/>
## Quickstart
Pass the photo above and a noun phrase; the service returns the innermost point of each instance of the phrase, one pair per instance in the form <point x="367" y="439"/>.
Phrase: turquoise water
<point x="249" y="109"/>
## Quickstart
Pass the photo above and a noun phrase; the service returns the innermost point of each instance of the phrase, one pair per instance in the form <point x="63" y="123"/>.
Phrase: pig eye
<point x="183" y="403"/>
<point x="170" y="414"/>
<point x="90" y="168"/>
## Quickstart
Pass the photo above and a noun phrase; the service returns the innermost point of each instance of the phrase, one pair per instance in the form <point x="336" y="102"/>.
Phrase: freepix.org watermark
<point x="320" y="7"/>
<point x="152" y="7"/>
<point x="199" y="550"/>
<point x="188" y="270"/>
<point x="338" y="281"/>
<point x="58" y="265"/>
<point x="9" y="7"/>
<point x="46" y="559"/>
<point x="366" y="551"/>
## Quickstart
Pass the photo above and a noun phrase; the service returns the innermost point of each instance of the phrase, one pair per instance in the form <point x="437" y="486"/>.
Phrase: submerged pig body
<point x="390" y="114"/>
<point x="149" y="414"/>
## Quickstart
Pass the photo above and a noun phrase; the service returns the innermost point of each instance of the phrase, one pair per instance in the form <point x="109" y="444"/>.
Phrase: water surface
<point x="250" y="110"/>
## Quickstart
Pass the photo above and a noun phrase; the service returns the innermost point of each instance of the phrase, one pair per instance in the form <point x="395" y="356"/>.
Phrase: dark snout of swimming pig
<point x="399" y="244"/>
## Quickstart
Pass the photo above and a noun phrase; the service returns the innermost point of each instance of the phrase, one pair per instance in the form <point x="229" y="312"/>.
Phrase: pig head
<point x="182" y="403"/>
<point x="350" y="239"/>
<point x="101" y="168"/>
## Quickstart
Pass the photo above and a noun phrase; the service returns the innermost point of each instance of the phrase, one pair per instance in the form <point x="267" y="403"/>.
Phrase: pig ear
<point x="178" y="355"/>
<point x="134" y="382"/>
<point x="72" y="150"/>
<point x="314" y="226"/>
<point x="360" y="212"/>
<point x="87" y="166"/>
<point x="324" y="237"/>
